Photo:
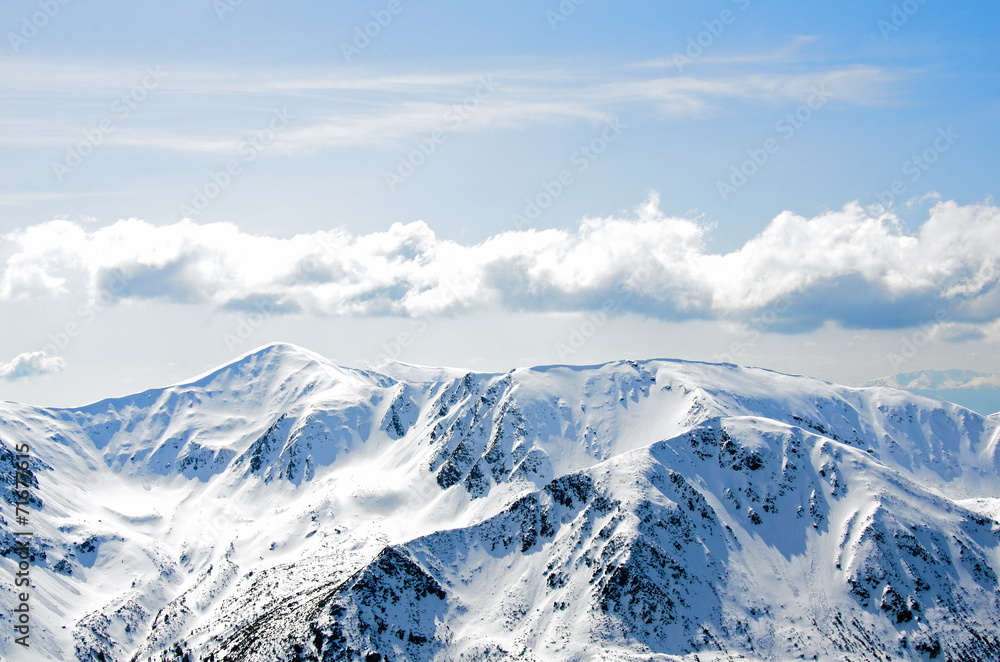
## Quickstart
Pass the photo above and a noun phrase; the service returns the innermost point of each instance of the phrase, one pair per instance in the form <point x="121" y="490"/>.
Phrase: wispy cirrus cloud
<point x="785" y="53"/>
<point x="858" y="267"/>
<point x="45" y="104"/>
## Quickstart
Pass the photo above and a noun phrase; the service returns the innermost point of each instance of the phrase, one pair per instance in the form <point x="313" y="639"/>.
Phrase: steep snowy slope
<point x="283" y="508"/>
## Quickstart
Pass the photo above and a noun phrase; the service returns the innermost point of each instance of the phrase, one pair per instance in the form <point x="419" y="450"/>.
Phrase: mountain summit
<point x="284" y="508"/>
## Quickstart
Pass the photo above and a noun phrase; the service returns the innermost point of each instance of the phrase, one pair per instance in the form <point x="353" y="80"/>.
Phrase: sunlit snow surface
<point x="283" y="508"/>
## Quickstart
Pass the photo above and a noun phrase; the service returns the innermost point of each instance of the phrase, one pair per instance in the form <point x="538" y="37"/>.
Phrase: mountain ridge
<point x="282" y="508"/>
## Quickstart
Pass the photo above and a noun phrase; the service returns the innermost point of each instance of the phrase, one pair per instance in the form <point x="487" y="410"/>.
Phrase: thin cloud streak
<point x="341" y="107"/>
<point x="787" y="53"/>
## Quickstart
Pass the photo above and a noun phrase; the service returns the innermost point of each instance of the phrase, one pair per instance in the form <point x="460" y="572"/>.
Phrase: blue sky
<point x="642" y="170"/>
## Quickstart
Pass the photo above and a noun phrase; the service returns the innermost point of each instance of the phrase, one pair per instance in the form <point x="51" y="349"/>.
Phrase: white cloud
<point x="30" y="364"/>
<point x="857" y="266"/>
<point x="45" y="105"/>
<point x="790" y="52"/>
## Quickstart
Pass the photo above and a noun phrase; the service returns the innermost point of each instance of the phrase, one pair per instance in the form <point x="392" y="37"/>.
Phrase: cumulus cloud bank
<point x="30" y="364"/>
<point x="857" y="266"/>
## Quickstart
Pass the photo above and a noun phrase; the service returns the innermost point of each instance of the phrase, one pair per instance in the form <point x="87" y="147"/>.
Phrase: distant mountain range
<point x="978" y="391"/>
<point x="282" y="508"/>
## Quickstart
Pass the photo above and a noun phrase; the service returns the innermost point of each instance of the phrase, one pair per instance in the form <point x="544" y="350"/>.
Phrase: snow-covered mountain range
<point x="283" y="508"/>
